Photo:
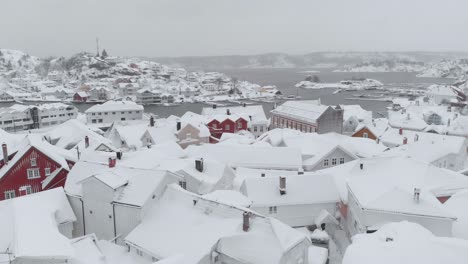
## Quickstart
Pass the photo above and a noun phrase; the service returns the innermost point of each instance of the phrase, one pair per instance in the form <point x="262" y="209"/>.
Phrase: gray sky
<point x="226" y="27"/>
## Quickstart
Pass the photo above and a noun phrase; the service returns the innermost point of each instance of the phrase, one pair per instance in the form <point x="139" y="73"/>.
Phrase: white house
<point x="257" y="121"/>
<point x="380" y="190"/>
<point x="183" y="223"/>
<point x="441" y="93"/>
<point x="295" y="200"/>
<point x="110" y="111"/>
<point x="354" y="115"/>
<point x="36" y="228"/>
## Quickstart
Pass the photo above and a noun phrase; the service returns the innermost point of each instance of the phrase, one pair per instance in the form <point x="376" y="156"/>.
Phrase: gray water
<point x="285" y="79"/>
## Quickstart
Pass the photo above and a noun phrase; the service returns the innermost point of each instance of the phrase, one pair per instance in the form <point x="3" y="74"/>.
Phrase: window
<point x="183" y="184"/>
<point x="113" y="113"/>
<point x="325" y="163"/>
<point x="255" y="128"/>
<point x="106" y="113"/>
<point x="189" y="136"/>
<point x="123" y="118"/>
<point x="365" y="135"/>
<point x="99" y="120"/>
<point x="261" y="129"/>
<point x="33" y="162"/>
<point x="333" y="162"/>
<point x="239" y="125"/>
<point x="47" y="171"/>
<point x="122" y="113"/>
<point x="33" y="174"/>
<point x="215" y="126"/>
<point x="272" y="209"/>
<point x="9" y="195"/>
<point x="227" y="127"/>
<point x="28" y="189"/>
<point x="93" y="121"/>
<point x="341" y="160"/>
<point x="139" y="252"/>
<point x="93" y="114"/>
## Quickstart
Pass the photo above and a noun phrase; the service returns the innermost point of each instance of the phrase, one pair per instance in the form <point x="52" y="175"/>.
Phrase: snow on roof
<point x="127" y="133"/>
<point x="318" y="255"/>
<point x="383" y="181"/>
<point x="12" y="141"/>
<point x="70" y="133"/>
<point x="429" y="151"/>
<point x="356" y="111"/>
<point x="308" y="111"/>
<point x="204" y="226"/>
<point x="405" y="243"/>
<point x="138" y="164"/>
<point x="255" y="111"/>
<point x="34" y="141"/>
<point x="215" y="175"/>
<point x="391" y="137"/>
<point x="90" y="250"/>
<point x="441" y="90"/>
<point x="300" y="189"/>
<point x="459" y="126"/>
<point x="276" y="136"/>
<point x="229" y="197"/>
<point x="246" y="138"/>
<point x="29" y="225"/>
<point x="115" y="106"/>
<point x="457" y="206"/>
<point x="406" y="121"/>
<point x="249" y="156"/>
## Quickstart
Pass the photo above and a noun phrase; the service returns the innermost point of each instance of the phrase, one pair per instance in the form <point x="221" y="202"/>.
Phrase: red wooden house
<point x="34" y="167"/>
<point x="80" y="97"/>
<point x="226" y="124"/>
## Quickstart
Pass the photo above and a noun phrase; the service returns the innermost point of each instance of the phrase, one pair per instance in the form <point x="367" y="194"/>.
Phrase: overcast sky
<point x="227" y="27"/>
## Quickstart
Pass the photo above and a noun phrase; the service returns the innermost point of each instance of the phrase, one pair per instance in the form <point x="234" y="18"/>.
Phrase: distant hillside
<point x="13" y="61"/>
<point x="311" y="60"/>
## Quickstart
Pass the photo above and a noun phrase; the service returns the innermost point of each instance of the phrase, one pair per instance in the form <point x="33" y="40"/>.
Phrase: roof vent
<point x="86" y="141"/>
<point x="199" y="165"/>
<point x="361" y="166"/>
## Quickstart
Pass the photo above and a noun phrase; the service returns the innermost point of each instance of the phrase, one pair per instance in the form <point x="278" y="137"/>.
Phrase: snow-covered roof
<point x="255" y="111"/>
<point x="12" y="141"/>
<point x="391" y="137"/>
<point x="70" y="133"/>
<point x="307" y="111"/>
<point x="387" y="183"/>
<point x="436" y="89"/>
<point x="58" y="155"/>
<point x="356" y="111"/>
<point x="127" y="133"/>
<point x="183" y="226"/>
<point x="229" y="197"/>
<point x="276" y="136"/>
<point x="249" y="156"/>
<point x="29" y="226"/>
<point x="406" y="121"/>
<point x="457" y="206"/>
<point x="405" y="243"/>
<point x="115" y="106"/>
<point x="300" y="189"/>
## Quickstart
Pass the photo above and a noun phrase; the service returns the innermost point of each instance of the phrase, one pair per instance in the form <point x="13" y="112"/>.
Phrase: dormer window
<point x="33" y="162"/>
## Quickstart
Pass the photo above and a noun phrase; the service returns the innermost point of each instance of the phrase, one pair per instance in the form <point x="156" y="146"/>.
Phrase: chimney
<point x="86" y="141"/>
<point x="119" y="155"/>
<point x="214" y="106"/>
<point x="5" y="153"/>
<point x="282" y="185"/>
<point x="228" y="112"/>
<point x="417" y="192"/>
<point x="111" y="162"/>
<point x="199" y="165"/>
<point x="416" y="138"/>
<point x="401" y="131"/>
<point x="250" y="117"/>
<point x="405" y="140"/>
<point x="246" y="221"/>
<point x="262" y="174"/>
<point x="377" y="140"/>
<point x="300" y="171"/>
<point x="151" y="121"/>
<point x="361" y="166"/>
<point x="448" y="122"/>
<point x="179" y="125"/>
<point x="244" y="104"/>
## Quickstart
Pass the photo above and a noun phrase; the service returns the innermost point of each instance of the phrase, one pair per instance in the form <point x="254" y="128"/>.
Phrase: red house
<point x="226" y="124"/>
<point x="34" y="167"/>
<point x="80" y="97"/>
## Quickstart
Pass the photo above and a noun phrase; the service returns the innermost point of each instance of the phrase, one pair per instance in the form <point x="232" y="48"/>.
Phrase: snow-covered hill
<point x="12" y="61"/>
<point x="446" y="69"/>
<point x="386" y="66"/>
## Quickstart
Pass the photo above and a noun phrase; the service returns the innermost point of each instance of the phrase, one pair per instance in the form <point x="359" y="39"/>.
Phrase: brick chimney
<point x="151" y="121"/>
<point x="228" y="112"/>
<point x="86" y="141"/>
<point x="405" y="140"/>
<point x="5" y="153"/>
<point x="119" y="155"/>
<point x="112" y="162"/>
<point x="401" y="131"/>
<point x="246" y="221"/>
<point x="282" y="185"/>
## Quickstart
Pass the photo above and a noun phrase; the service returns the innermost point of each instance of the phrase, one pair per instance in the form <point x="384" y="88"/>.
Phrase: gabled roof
<point x="255" y="111"/>
<point x="34" y="141"/>
<point x="115" y="106"/>
<point x="29" y="226"/>
<point x="307" y="111"/>
<point x="184" y="227"/>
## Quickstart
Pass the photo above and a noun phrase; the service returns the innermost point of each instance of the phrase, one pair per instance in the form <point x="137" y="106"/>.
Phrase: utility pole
<point x="97" y="47"/>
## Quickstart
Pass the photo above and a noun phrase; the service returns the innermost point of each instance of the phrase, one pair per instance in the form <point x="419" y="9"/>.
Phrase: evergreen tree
<point x="104" y="54"/>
